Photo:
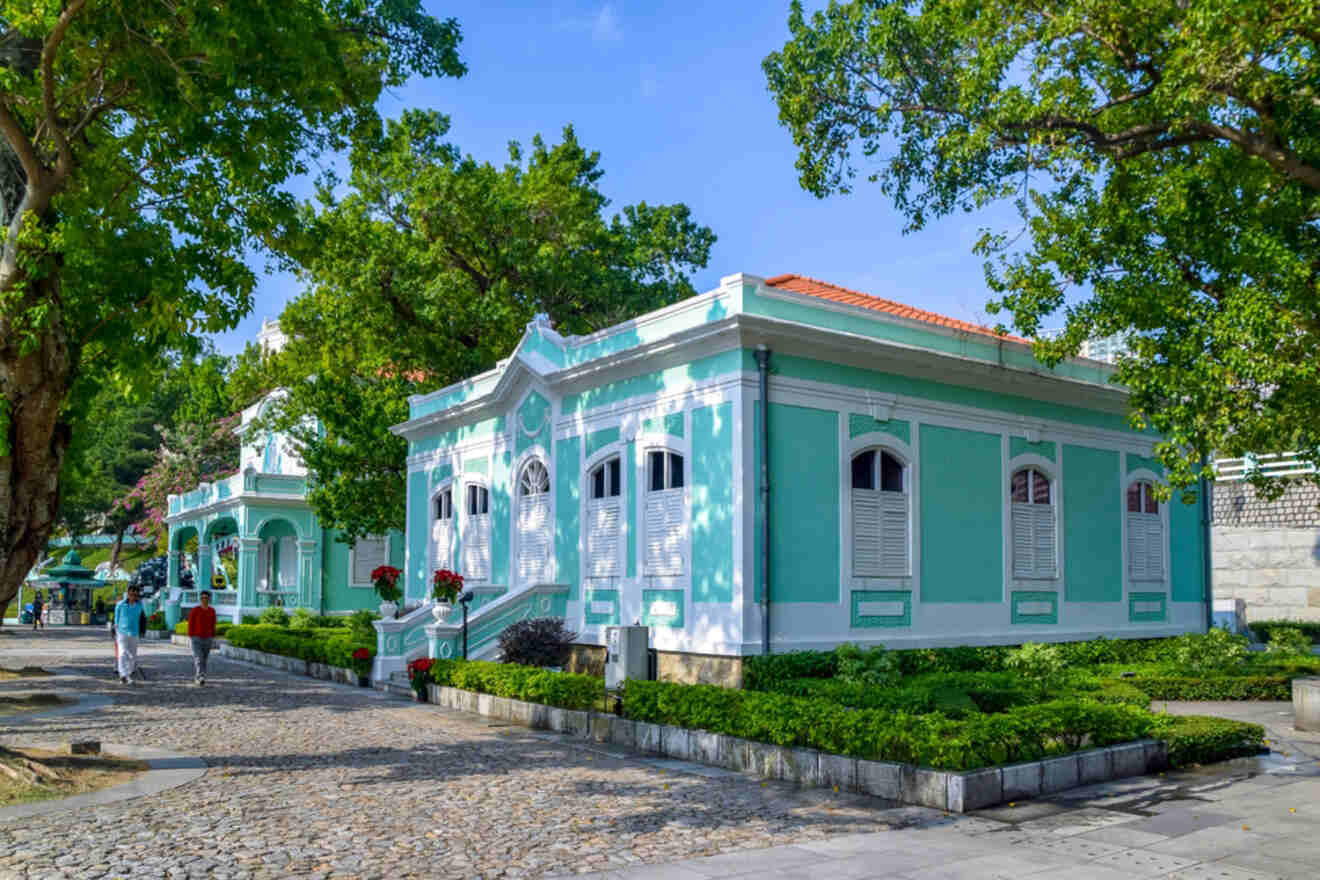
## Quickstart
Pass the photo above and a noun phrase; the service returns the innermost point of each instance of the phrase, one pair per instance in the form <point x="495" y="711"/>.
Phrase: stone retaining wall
<point x="957" y="792"/>
<point x="1267" y="553"/>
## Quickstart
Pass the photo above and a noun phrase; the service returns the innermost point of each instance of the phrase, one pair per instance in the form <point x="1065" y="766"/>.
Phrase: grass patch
<point x="35" y="774"/>
<point x="29" y="703"/>
<point x="23" y="672"/>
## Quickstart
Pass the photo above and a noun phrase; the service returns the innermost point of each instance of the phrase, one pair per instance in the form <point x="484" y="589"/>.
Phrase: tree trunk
<point x="114" y="551"/>
<point x="33" y="435"/>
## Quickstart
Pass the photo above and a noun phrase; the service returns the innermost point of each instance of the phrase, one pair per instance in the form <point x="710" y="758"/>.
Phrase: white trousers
<point x="127" y="654"/>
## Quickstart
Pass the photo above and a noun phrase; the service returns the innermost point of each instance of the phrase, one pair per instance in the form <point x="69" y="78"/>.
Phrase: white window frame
<point x="483" y="482"/>
<point x="906" y="454"/>
<point x="352" y="561"/>
<point x="445" y="486"/>
<point x="540" y="455"/>
<point x="1144" y="475"/>
<point x="643" y="474"/>
<point x="881" y="449"/>
<point x="598" y="459"/>
<point x="1050" y="571"/>
<point x="1054" y="471"/>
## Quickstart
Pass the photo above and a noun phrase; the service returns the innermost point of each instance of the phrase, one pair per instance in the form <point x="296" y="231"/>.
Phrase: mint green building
<point x="926" y="482"/>
<point x="256" y="531"/>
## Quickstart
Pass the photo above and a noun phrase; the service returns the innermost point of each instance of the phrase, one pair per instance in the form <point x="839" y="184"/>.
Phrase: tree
<point x="1164" y="157"/>
<point x="427" y="271"/>
<point x="145" y="150"/>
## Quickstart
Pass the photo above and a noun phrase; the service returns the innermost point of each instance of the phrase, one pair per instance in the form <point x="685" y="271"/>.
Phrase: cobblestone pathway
<point x="313" y="779"/>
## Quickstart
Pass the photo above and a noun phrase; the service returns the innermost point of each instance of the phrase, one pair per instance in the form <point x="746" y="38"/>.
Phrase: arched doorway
<point x="277" y="564"/>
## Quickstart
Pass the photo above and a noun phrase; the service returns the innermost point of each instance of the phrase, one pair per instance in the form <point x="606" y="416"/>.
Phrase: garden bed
<point x="957" y="763"/>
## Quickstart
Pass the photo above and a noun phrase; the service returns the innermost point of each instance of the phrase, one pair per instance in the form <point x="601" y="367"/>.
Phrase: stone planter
<point x="441" y="610"/>
<point x="1306" y="703"/>
<point x="388" y="610"/>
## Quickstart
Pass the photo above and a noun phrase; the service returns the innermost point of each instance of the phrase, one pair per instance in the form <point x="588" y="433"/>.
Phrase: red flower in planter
<point x="446" y="585"/>
<point x="362" y="654"/>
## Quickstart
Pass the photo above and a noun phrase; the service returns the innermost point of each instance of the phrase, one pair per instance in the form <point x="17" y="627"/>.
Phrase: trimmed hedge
<point x="1201" y="739"/>
<point x="221" y="627"/>
<point x="563" y="689"/>
<point x="305" y="644"/>
<point x="1228" y="687"/>
<point x="1022" y="733"/>
<point x="954" y="694"/>
<point x="1262" y="628"/>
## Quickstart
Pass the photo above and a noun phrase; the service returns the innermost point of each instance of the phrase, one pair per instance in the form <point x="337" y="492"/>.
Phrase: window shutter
<point x="894" y="532"/>
<point x="1154" y="547"/>
<point x="1044" y="540"/>
<point x="288" y="563"/>
<point x="263" y="566"/>
<point x="476" y="547"/>
<point x="441" y="541"/>
<point x="1024" y="541"/>
<point x="603" y="519"/>
<point x="868" y="557"/>
<point x="368" y="555"/>
<point x="533" y="537"/>
<point x="1136" y="547"/>
<point x="664" y="532"/>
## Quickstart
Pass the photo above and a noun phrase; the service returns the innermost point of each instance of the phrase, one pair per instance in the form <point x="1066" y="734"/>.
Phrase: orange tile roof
<point x="811" y="287"/>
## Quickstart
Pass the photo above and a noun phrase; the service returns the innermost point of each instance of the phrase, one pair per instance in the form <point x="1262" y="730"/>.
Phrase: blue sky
<point x="675" y="101"/>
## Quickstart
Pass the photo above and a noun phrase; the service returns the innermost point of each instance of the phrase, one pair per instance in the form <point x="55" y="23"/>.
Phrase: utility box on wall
<point x="626" y="654"/>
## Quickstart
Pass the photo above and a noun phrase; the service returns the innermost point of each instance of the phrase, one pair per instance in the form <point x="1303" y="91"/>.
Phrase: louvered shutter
<point x="533" y="537"/>
<point x="476" y="547"/>
<point x="368" y="555"/>
<point x="263" y="565"/>
<point x="288" y="563"/>
<point x="1024" y="541"/>
<point x="1136" y="547"/>
<point x="441" y="540"/>
<point x="893" y="533"/>
<point x="1044" y="540"/>
<point x="664" y="532"/>
<point x="868" y="555"/>
<point x="603" y="518"/>
<point x="1154" y="546"/>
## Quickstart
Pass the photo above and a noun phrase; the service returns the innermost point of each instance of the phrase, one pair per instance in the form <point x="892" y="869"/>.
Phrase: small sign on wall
<point x="663" y="608"/>
<point x="601" y="607"/>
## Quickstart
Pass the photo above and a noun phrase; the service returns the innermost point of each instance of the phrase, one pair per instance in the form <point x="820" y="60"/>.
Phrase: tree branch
<point x="65" y="164"/>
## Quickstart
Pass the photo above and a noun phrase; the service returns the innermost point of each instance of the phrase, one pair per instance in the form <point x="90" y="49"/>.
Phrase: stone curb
<point x="323" y="671"/>
<point x="956" y="792"/>
<point x="168" y="770"/>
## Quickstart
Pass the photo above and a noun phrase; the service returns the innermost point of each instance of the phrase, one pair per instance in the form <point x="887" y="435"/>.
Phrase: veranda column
<point x="172" y="566"/>
<point x="309" y="575"/>
<point x="247" y="575"/>
<point x="202" y="577"/>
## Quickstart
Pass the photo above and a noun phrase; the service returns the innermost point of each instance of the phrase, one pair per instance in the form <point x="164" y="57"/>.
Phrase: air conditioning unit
<point x="626" y="656"/>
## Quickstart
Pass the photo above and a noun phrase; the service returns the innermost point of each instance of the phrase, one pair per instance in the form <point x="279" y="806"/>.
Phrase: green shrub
<point x="953" y="693"/>
<point x="933" y="740"/>
<point x="766" y="672"/>
<point x="1214" y="652"/>
<point x="1037" y="663"/>
<point x="963" y="658"/>
<point x="1200" y="739"/>
<point x="874" y="667"/>
<point x="359" y="625"/>
<point x="300" y="619"/>
<point x="339" y="649"/>
<point x="221" y="627"/>
<point x="274" y="616"/>
<point x="529" y="683"/>
<point x="1263" y="628"/>
<point x="1289" y="641"/>
<point x="249" y="620"/>
<point x="1216" y="687"/>
<point x="302" y="644"/>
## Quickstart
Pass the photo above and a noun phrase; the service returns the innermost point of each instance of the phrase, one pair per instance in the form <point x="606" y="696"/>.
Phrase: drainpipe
<point x="1208" y="572"/>
<point x="763" y="376"/>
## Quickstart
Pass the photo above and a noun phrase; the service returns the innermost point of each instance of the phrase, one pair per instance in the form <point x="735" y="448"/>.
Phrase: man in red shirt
<point x="201" y="629"/>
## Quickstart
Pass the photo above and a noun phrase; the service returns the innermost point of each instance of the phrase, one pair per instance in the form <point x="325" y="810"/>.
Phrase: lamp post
<point x="464" y="599"/>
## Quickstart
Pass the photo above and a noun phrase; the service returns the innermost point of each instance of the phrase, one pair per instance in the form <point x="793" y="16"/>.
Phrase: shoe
<point x="201" y="681"/>
<point x="123" y="679"/>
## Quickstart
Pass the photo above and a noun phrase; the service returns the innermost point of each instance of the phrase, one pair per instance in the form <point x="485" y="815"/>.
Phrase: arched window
<point x="1032" y="495"/>
<point x="476" y="533"/>
<point x="665" y="508"/>
<point x="534" y="533"/>
<point x="1145" y="533"/>
<point x="879" y="515"/>
<point x="442" y="529"/>
<point x="604" y="515"/>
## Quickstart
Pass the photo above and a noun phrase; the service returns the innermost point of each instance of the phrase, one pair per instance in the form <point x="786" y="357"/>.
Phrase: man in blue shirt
<point x="130" y="618"/>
